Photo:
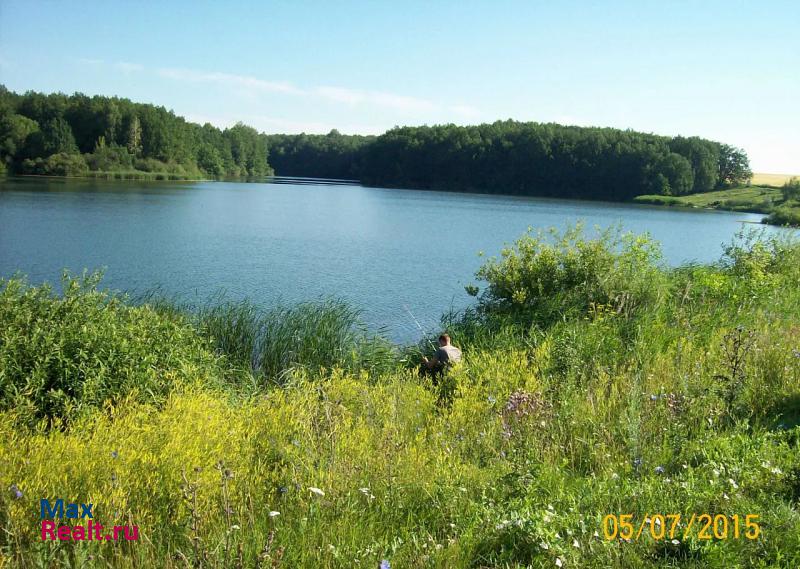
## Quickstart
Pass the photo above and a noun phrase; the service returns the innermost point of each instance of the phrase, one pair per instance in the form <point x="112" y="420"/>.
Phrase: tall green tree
<point x="14" y="133"/>
<point x="734" y="166"/>
<point x="55" y="137"/>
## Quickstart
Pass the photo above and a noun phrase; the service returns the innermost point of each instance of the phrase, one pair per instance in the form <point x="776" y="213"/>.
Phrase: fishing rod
<point x="424" y="333"/>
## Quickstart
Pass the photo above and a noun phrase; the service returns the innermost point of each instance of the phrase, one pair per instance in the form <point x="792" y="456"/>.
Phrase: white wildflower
<point x="316" y="491"/>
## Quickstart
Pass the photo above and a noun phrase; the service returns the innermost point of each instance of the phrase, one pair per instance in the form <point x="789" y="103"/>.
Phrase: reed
<point x="276" y="343"/>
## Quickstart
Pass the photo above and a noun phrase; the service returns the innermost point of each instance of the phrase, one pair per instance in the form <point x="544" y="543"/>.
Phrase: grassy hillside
<point x="596" y="381"/>
<point x="758" y="199"/>
<point x="763" y="198"/>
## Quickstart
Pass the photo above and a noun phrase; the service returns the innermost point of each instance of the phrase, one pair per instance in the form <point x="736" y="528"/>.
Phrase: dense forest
<point x="333" y="155"/>
<point x="70" y="135"/>
<point x="510" y="157"/>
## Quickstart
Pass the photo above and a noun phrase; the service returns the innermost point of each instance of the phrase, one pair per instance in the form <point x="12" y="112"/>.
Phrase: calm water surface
<point x="379" y="248"/>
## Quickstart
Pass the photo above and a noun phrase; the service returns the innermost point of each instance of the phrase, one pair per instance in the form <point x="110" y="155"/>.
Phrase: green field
<point x="754" y="198"/>
<point x="596" y="382"/>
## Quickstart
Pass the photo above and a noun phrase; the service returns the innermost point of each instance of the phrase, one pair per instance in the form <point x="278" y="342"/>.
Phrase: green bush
<point x="541" y="282"/>
<point x="110" y="158"/>
<point x="168" y="170"/>
<point x="784" y="215"/>
<point x="791" y="189"/>
<point x="62" y="354"/>
<point x="61" y="164"/>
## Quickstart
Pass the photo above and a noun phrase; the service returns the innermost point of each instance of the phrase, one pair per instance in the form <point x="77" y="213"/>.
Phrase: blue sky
<point x="728" y="70"/>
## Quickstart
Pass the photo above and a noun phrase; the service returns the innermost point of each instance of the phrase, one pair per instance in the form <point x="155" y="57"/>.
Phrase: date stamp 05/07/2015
<point x="627" y="527"/>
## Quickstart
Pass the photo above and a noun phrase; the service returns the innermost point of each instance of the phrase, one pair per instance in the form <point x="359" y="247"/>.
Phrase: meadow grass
<point x="758" y="199"/>
<point x="596" y="381"/>
<point x="772" y="200"/>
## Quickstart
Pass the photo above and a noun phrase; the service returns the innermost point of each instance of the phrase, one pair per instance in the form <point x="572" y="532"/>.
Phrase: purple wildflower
<point x="114" y="454"/>
<point x="385" y="564"/>
<point x="659" y="470"/>
<point x="16" y="491"/>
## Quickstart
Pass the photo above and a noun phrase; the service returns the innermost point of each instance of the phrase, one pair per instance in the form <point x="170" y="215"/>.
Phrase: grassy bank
<point x="596" y="382"/>
<point x="141" y="175"/>
<point x="783" y="208"/>
<point x="756" y="199"/>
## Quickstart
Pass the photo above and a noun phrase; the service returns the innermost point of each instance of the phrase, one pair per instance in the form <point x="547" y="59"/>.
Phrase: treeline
<point x="333" y="155"/>
<point x="509" y="157"/>
<point x="69" y="135"/>
<point x="75" y="134"/>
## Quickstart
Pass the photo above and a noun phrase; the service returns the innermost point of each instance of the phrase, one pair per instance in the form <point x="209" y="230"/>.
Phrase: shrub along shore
<point x="596" y="381"/>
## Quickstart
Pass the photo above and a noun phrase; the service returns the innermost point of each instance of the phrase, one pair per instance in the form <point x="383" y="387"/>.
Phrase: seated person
<point x="446" y="356"/>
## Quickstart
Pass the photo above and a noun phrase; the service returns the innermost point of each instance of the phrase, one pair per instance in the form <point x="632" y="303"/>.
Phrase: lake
<point x="380" y="249"/>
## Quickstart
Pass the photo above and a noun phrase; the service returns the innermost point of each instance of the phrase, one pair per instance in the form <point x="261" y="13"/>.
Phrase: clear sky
<point x="726" y="70"/>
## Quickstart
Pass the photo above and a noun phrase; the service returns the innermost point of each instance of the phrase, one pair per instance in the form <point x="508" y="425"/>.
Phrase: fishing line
<point x="424" y="333"/>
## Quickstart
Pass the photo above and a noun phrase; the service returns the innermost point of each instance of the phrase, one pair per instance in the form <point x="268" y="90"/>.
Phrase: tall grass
<point x="656" y="391"/>
<point x="313" y="336"/>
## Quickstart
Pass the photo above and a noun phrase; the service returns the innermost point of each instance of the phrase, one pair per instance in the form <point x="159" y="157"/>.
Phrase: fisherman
<point x="446" y="356"/>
